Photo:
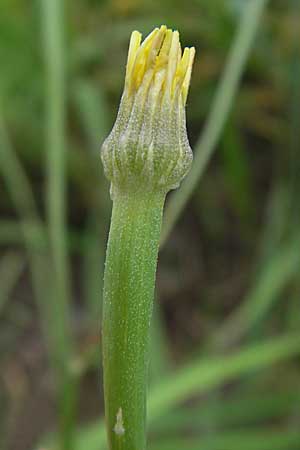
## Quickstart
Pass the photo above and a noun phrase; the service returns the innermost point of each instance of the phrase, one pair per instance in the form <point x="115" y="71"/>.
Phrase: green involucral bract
<point x="148" y="147"/>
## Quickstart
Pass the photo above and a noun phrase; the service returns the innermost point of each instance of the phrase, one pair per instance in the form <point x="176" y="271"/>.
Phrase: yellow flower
<point x="148" y="147"/>
<point x="158" y="64"/>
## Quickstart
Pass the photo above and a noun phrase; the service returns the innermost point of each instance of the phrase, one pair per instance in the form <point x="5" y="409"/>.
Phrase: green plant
<point x="146" y="155"/>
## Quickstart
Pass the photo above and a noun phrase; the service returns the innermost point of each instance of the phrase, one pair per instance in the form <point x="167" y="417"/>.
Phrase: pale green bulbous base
<point x="148" y="146"/>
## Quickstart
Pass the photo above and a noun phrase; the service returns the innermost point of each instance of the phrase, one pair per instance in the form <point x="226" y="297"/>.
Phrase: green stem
<point x="53" y="28"/>
<point x="128" y="298"/>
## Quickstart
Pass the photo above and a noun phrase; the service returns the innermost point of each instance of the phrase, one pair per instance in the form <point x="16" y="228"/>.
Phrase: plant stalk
<point x="129" y="282"/>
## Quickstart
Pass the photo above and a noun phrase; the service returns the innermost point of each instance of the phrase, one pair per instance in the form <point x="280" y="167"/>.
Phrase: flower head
<point x="148" y="146"/>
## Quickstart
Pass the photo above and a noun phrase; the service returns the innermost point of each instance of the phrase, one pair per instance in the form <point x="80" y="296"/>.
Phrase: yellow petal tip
<point x="159" y="53"/>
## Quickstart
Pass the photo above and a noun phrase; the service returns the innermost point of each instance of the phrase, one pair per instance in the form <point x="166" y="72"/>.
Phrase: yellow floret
<point x="158" y="62"/>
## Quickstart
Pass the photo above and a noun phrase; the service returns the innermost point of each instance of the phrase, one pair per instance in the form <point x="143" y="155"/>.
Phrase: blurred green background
<point x="225" y="372"/>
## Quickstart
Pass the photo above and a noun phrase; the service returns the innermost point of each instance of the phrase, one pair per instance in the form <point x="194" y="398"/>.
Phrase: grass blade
<point x="219" y="111"/>
<point x="199" y="377"/>
<point x="11" y="267"/>
<point x="52" y="17"/>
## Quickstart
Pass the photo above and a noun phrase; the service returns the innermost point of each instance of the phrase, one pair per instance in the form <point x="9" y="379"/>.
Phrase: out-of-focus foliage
<point x="225" y="351"/>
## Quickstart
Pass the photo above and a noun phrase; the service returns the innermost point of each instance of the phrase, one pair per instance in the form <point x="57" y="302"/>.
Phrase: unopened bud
<point x="148" y="147"/>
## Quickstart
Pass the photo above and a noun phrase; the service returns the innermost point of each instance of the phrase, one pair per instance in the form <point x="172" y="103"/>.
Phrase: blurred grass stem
<point x="56" y="145"/>
<point x="219" y="111"/>
<point x="22" y="197"/>
<point x="202" y="375"/>
<point x="54" y="56"/>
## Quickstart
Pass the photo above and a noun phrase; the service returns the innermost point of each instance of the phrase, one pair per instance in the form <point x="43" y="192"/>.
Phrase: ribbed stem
<point x="128" y="298"/>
